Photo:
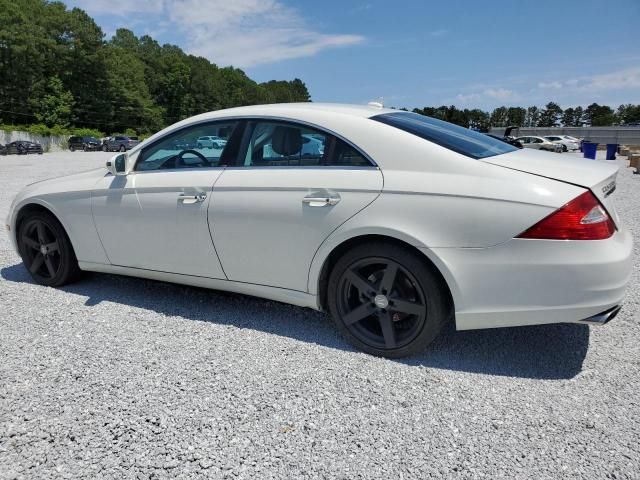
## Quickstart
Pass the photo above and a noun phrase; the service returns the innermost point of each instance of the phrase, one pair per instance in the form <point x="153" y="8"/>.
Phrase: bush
<point x="56" y="130"/>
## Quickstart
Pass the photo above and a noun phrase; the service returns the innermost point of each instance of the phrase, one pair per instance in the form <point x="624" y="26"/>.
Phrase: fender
<point x="343" y="235"/>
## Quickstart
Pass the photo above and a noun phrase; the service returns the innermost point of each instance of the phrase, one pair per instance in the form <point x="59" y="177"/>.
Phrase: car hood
<point x="577" y="171"/>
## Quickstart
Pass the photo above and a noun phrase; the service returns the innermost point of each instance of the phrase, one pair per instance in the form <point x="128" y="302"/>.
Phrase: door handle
<point x="321" y="201"/>
<point x="199" y="197"/>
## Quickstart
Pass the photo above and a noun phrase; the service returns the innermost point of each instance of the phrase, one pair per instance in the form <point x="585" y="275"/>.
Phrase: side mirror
<point x="118" y="164"/>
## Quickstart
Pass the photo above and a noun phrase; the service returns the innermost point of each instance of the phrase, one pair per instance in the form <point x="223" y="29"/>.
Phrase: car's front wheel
<point x="46" y="250"/>
<point x="386" y="301"/>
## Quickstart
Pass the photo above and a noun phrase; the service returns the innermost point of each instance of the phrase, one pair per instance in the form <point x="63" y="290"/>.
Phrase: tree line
<point x="552" y="115"/>
<point x="58" y="70"/>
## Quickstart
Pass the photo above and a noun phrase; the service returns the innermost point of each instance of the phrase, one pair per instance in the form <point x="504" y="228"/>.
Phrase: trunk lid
<point x="598" y="176"/>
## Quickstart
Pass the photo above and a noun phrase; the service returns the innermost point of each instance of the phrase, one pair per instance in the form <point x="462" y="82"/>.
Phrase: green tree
<point x="628" y="114"/>
<point x="516" y="116"/>
<point x="52" y="103"/>
<point x="551" y="115"/>
<point x="599" y="115"/>
<point x="532" y="118"/>
<point x="500" y="117"/>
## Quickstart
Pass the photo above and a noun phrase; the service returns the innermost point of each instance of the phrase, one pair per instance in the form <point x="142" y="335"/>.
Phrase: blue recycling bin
<point x="589" y="150"/>
<point x="612" y="149"/>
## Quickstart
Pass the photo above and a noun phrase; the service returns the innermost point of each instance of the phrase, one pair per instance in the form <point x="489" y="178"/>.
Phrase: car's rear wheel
<point x="386" y="301"/>
<point x="46" y="250"/>
<point x="104" y="148"/>
<point x="122" y="148"/>
<point x="72" y="148"/>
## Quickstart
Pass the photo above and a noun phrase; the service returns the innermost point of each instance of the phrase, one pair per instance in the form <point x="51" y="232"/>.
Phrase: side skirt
<point x="293" y="297"/>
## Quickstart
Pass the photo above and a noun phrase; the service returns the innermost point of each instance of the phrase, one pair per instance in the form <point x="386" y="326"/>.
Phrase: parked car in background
<point x="211" y="141"/>
<point x="3" y="149"/>
<point x="509" y="140"/>
<point x="118" y="143"/>
<point x="23" y="147"/>
<point x="539" y="143"/>
<point x="84" y="143"/>
<point x="566" y="144"/>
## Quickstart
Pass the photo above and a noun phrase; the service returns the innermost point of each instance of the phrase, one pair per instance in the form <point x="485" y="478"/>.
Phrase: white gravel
<point x="117" y="377"/>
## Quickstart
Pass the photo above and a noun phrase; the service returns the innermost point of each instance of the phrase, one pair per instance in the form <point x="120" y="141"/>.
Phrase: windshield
<point x="453" y="137"/>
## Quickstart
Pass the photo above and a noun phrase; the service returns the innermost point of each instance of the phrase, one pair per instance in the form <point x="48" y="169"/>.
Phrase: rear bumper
<point x="531" y="282"/>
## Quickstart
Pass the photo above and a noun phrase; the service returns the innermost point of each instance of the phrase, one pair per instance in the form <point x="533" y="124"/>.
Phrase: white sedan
<point x="211" y="141"/>
<point x="398" y="225"/>
<point x="564" y="142"/>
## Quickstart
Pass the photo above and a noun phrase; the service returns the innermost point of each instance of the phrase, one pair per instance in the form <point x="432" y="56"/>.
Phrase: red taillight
<point x="583" y="218"/>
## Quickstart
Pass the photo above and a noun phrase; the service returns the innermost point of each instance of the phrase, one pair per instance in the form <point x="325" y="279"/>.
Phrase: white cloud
<point x="618" y="80"/>
<point x="499" y="94"/>
<point x="441" y="32"/>
<point x="121" y="7"/>
<point x="554" y="85"/>
<point x="472" y="97"/>
<point x="242" y="33"/>
<point x="622" y="79"/>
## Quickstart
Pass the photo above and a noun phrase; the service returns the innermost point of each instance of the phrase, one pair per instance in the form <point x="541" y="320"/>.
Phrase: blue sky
<point x="411" y="53"/>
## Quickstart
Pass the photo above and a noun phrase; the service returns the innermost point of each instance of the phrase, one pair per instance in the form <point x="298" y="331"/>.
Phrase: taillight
<point x="583" y="218"/>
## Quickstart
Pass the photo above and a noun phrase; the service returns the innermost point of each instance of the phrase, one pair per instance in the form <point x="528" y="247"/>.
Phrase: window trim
<point x="242" y="121"/>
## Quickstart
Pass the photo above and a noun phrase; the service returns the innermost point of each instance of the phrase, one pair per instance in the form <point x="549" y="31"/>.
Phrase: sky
<point x="410" y="53"/>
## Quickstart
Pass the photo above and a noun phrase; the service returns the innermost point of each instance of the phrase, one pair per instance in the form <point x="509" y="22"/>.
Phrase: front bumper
<point x="531" y="282"/>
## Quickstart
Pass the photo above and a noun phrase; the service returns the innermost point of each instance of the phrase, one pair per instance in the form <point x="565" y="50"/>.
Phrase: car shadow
<point x="538" y="352"/>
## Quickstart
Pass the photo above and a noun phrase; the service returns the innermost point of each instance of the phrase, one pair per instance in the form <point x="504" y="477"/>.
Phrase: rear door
<point x="292" y="186"/>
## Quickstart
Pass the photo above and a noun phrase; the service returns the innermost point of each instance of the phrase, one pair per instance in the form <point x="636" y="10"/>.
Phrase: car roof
<point x="275" y="109"/>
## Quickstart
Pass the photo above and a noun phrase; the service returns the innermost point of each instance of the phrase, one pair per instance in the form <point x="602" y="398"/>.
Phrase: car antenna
<point x="379" y="103"/>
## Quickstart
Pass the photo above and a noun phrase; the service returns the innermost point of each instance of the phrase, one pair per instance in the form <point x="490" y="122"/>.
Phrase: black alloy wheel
<point x="46" y="250"/>
<point x="386" y="300"/>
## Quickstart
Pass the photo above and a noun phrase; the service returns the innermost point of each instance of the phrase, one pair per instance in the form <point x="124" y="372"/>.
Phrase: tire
<point x="72" y="148"/>
<point x="84" y="148"/>
<point x="199" y="146"/>
<point x="54" y="266"/>
<point x="105" y="148"/>
<point x="564" y="148"/>
<point x="405" y="306"/>
<point x="122" y="148"/>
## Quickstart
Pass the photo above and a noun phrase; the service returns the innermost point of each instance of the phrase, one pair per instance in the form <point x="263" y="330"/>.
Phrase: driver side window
<point x="198" y="146"/>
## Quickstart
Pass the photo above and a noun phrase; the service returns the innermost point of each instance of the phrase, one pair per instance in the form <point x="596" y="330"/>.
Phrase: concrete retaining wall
<point x="619" y="135"/>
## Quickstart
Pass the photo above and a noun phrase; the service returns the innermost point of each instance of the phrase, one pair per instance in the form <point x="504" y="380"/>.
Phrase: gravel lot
<point x="116" y="377"/>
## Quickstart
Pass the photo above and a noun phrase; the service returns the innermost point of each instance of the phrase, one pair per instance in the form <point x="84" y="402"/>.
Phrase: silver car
<point x="539" y="143"/>
<point x="565" y="143"/>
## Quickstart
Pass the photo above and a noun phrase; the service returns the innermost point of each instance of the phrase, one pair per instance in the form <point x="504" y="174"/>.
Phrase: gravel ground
<point x="116" y="377"/>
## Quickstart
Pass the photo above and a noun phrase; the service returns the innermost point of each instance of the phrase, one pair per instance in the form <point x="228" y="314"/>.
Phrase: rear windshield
<point x="453" y="137"/>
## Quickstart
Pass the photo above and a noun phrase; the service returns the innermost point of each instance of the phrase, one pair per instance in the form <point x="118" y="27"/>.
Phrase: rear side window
<point x="277" y="144"/>
<point x="452" y="137"/>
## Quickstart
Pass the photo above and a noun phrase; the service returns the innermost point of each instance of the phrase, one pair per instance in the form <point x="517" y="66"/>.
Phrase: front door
<point x="291" y="188"/>
<point x="155" y="217"/>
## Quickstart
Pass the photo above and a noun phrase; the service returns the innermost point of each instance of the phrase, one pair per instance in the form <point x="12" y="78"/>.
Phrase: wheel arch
<point x="320" y="279"/>
<point x="34" y="206"/>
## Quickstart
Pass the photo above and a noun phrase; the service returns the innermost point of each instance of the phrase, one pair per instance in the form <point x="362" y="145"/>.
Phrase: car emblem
<point x="609" y="188"/>
<point x="381" y="301"/>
